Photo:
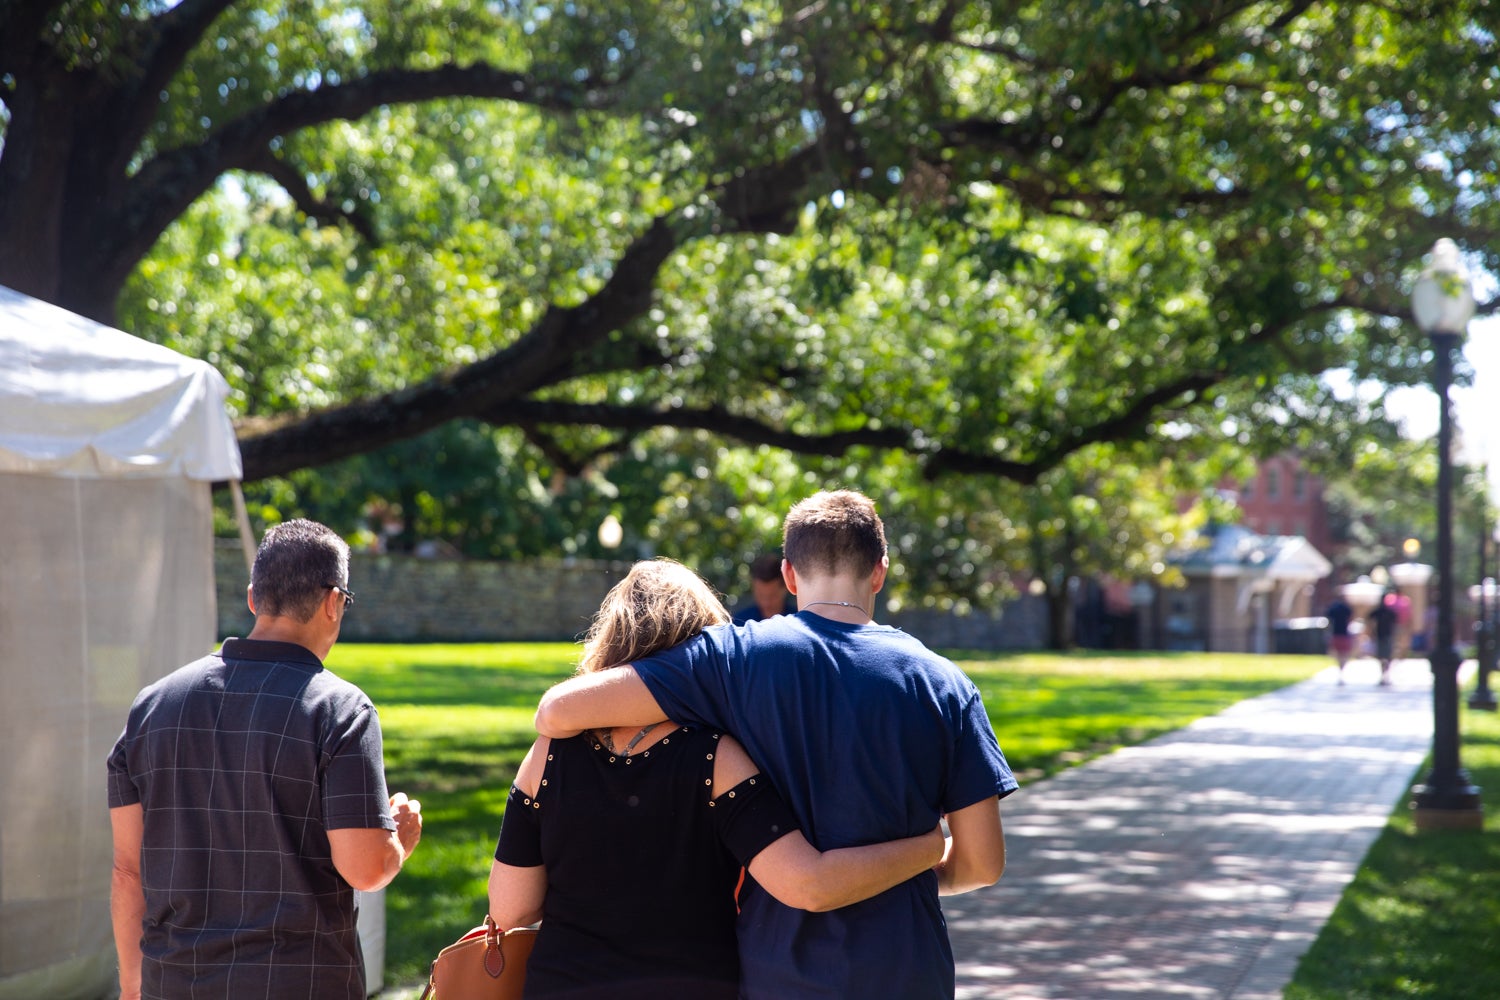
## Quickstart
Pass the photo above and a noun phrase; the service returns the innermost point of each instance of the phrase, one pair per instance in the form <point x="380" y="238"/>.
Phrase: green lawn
<point x="1422" y="917"/>
<point x="457" y="721"/>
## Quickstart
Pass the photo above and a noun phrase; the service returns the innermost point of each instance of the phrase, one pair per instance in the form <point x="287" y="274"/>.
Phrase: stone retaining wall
<point x="407" y="599"/>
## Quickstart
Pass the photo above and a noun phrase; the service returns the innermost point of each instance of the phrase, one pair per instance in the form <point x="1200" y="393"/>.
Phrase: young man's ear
<point x="250" y="598"/>
<point x="789" y="577"/>
<point x="877" y="579"/>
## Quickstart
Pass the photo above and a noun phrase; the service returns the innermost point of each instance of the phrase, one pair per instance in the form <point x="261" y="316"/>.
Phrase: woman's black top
<point x="642" y="866"/>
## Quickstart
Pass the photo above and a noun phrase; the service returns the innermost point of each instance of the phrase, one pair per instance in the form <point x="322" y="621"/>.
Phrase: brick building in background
<point x="1284" y="498"/>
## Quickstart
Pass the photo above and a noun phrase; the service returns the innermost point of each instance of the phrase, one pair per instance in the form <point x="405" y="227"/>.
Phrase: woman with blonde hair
<point x="628" y="843"/>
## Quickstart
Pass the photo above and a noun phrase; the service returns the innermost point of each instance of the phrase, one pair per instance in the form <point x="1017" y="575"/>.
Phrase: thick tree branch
<point x="311" y="205"/>
<point x="240" y="141"/>
<point x="273" y="448"/>
<point x="169" y="183"/>
<point x="716" y="419"/>
<point x="177" y="31"/>
<point x="721" y="421"/>
<point x="557" y="348"/>
<point x="171" y="36"/>
<point x="1023" y="137"/>
<point x="1133" y="420"/>
<point x="1190" y="71"/>
<point x="568" y="462"/>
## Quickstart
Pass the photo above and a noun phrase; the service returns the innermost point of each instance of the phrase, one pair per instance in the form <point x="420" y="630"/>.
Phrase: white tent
<point x="108" y="445"/>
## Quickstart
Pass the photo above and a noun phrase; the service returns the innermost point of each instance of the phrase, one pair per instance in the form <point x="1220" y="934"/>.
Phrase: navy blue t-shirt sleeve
<point x="691" y="682"/>
<point x="979" y="767"/>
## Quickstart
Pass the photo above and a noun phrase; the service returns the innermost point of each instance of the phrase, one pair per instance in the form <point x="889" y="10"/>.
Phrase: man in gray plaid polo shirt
<point x="248" y="801"/>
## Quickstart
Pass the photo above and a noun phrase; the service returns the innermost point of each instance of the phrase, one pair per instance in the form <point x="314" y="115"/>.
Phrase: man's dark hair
<point x="296" y="564"/>
<point x="834" y="532"/>
<point x="766" y="568"/>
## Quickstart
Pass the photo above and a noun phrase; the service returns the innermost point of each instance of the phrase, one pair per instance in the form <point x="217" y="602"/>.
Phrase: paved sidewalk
<point x="1201" y="864"/>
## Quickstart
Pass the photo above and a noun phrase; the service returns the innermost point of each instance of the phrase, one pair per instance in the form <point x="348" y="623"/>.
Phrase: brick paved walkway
<point x="1201" y="864"/>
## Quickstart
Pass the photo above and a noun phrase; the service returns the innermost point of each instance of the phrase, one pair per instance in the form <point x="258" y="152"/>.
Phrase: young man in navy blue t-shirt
<point x="868" y="735"/>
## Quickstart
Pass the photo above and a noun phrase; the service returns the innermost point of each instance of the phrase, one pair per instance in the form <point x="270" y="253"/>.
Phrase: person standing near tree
<point x="248" y="802"/>
<point x="868" y="735"/>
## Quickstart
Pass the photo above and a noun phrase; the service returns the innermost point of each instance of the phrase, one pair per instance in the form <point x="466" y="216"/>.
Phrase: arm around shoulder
<point x="801" y="876"/>
<point x="613" y="697"/>
<point x="975" y="853"/>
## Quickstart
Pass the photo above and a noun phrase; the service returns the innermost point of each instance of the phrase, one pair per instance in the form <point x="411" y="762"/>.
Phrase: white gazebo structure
<point x="1239" y="584"/>
<point x="108" y="447"/>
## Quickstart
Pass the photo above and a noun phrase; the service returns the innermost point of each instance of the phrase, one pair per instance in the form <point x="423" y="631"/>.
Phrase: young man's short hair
<point x="834" y="532"/>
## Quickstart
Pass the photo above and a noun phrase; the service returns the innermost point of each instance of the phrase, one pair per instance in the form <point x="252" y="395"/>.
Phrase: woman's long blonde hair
<point x="659" y="604"/>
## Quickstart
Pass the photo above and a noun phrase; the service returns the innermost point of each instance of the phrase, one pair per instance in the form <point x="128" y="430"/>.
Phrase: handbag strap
<point x="493" y="953"/>
<point x="494" y="956"/>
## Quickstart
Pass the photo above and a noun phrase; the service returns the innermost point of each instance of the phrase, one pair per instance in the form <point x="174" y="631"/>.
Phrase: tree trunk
<point x="1059" y="617"/>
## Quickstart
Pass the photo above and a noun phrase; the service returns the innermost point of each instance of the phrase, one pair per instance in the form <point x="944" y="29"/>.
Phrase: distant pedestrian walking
<point x="1340" y="640"/>
<point x="1384" y="619"/>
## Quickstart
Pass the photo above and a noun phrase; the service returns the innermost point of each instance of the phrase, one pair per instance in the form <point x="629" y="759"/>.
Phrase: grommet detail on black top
<point x="611" y="760"/>
<point x="711" y="803"/>
<point x="710" y="757"/>
<point x="627" y="760"/>
<point x="752" y="781"/>
<point x="645" y="753"/>
<point x="598" y="746"/>
<point x="536" y="805"/>
<point x="731" y="795"/>
<point x="708" y="781"/>
<point x="544" y="782"/>
<point x="528" y="802"/>
<point x="667" y="740"/>
<point x="549" y="756"/>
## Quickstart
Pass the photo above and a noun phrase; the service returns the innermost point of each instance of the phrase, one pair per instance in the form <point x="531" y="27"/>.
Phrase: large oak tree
<point x="988" y="234"/>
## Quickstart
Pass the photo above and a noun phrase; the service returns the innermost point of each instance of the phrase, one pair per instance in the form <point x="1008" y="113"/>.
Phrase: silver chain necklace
<point x="609" y="744"/>
<point x="837" y="604"/>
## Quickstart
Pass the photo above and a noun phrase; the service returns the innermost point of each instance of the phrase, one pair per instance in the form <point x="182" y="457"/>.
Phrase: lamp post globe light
<point x="611" y="532"/>
<point x="1442" y="302"/>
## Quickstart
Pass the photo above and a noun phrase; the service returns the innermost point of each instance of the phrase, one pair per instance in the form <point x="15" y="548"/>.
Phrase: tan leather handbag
<point x="484" y="964"/>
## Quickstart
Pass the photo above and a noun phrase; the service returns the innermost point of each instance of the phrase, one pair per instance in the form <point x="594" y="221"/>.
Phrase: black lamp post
<point x="1442" y="303"/>
<point x="1494" y="610"/>
<point x="1487" y="594"/>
